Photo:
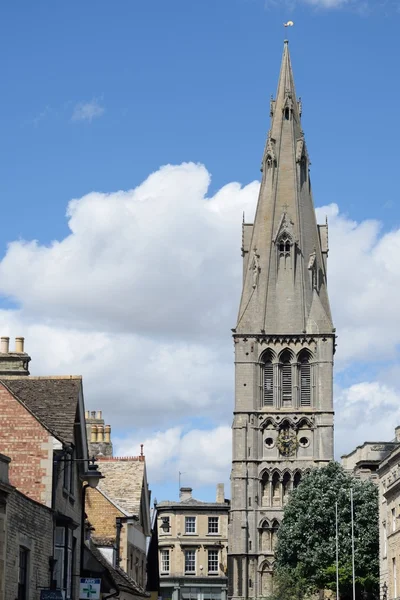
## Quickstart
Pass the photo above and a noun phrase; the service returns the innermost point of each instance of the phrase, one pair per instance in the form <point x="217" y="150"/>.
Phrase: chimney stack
<point x="397" y="433"/>
<point x="16" y="362"/>
<point x="185" y="494"/>
<point x="5" y="345"/>
<point x="220" y="493"/>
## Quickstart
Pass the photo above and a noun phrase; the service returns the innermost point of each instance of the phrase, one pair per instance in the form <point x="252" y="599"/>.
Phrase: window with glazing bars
<point x="190" y="524"/>
<point x="164" y="561"/>
<point x="305" y="383"/>
<point x="190" y="561"/>
<point x="213" y="524"/>
<point x="213" y="561"/>
<point x="268" y="384"/>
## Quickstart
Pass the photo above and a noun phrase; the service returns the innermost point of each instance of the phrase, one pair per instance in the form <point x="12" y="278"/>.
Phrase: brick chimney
<point x="185" y="493"/>
<point x="14" y="362"/>
<point x="220" y="493"/>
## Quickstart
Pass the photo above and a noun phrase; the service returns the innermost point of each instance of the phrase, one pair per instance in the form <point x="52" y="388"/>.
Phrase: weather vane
<point x="288" y="24"/>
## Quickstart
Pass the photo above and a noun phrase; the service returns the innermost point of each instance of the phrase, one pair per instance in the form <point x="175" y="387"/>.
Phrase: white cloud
<point x="367" y="411"/>
<point x="173" y="450"/>
<point x="140" y="297"/>
<point x="87" y="111"/>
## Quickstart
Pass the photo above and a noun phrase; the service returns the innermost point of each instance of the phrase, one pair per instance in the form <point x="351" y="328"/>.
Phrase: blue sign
<point x="51" y="595"/>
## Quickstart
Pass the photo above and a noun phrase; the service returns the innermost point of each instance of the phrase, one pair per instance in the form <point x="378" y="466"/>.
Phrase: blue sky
<point x="96" y="96"/>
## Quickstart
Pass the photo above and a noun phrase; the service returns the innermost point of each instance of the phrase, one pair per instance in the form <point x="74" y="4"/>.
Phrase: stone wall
<point x="101" y="514"/>
<point x="29" y="524"/>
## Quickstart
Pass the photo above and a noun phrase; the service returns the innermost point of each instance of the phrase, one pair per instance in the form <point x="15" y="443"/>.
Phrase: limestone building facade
<point x="192" y="542"/>
<point x="284" y="343"/>
<point x="389" y="524"/>
<point x="364" y="461"/>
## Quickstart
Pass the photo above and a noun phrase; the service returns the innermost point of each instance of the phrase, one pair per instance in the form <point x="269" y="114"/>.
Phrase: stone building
<point x="42" y="430"/>
<point x="284" y="345"/>
<point x="26" y="541"/>
<point x="98" y="434"/>
<point x="192" y="541"/>
<point x="364" y="461"/>
<point x="389" y="523"/>
<point x="119" y="513"/>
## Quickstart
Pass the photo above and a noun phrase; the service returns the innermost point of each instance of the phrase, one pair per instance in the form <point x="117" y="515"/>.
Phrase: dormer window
<point x="285" y="244"/>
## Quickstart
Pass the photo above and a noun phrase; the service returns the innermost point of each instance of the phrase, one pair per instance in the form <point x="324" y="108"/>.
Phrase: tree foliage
<point x="306" y="541"/>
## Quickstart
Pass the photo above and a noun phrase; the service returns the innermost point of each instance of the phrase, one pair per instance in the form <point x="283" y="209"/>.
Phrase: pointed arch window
<point x="287" y="113"/>
<point x="286" y="378"/>
<point x="285" y="245"/>
<point x="305" y="379"/>
<point x="268" y="380"/>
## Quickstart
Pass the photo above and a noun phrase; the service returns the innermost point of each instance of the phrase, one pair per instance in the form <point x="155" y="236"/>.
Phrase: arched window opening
<point x="274" y="536"/>
<point x="285" y="244"/>
<point x="267" y="582"/>
<point x="286" y="379"/>
<point x="287" y="113"/>
<point x="265" y="490"/>
<point x="305" y="379"/>
<point x="276" y="490"/>
<point x="296" y="479"/>
<point x="265" y="537"/>
<point x="268" y="380"/>
<point x="286" y="485"/>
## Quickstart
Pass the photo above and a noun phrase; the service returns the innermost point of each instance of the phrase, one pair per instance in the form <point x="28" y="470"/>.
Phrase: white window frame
<point x="193" y="521"/>
<point x="211" y="525"/>
<point x="214" y="560"/>
<point x="192" y="554"/>
<point x="165" y="561"/>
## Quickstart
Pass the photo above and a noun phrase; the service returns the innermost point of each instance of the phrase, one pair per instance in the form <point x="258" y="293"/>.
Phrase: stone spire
<point x="285" y="251"/>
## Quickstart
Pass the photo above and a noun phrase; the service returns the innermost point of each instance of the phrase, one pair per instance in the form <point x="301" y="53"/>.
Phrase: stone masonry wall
<point x="27" y="443"/>
<point x="101" y="514"/>
<point x="29" y="524"/>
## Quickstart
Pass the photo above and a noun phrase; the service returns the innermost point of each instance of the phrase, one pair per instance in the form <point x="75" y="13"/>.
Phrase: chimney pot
<point x="397" y="433"/>
<point x="100" y="433"/>
<point x="185" y="493"/>
<point x="5" y="345"/>
<point x="93" y="414"/>
<point x="19" y="345"/>
<point x="93" y="433"/>
<point x="99" y="414"/>
<point x="107" y="434"/>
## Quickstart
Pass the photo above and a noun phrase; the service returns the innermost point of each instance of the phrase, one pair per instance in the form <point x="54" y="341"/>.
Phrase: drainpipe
<point x="118" y="525"/>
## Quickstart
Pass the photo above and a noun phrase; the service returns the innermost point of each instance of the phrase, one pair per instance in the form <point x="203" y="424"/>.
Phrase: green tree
<point x="306" y="540"/>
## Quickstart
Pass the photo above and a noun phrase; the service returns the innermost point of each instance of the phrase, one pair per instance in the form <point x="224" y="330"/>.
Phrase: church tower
<point x="284" y="346"/>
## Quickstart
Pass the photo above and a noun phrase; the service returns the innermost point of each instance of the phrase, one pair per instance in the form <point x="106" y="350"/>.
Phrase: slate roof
<point x="123" y="481"/>
<point x="121" y="580"/>
<point x="52" y="400"/>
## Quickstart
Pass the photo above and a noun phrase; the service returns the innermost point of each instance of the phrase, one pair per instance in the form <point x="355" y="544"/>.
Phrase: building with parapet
<point x="192" y="542"/>
<point x="284" y="343"/>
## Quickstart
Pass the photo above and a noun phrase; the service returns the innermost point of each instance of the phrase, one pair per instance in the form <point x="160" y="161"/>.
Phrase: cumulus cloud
<point x="87" y="111"/>
<point x="367" y="411"/>
<point x="140" y="297"/>
<point x="168" y="452"/>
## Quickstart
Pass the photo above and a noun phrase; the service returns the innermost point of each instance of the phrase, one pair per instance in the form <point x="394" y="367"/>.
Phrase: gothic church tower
<point x="284" y="346"/>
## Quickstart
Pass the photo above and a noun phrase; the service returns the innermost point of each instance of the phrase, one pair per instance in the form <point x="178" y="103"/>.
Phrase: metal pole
<point x="337" y="553"/>
<point x="352" y="542"/>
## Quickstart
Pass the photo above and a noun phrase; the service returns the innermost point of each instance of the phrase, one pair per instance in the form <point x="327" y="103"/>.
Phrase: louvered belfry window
<point x="268" y="384"/>
<point x="286" y="381"/>
<point x="305" y="383"/>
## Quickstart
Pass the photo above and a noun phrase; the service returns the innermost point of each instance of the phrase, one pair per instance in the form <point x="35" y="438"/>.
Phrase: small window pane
<point x="213" y="523"/>
<point x="164" y="561"/>
<point x="213" y="561"/>
<point x="190" y="524"/>
<point x="190" y="561"/>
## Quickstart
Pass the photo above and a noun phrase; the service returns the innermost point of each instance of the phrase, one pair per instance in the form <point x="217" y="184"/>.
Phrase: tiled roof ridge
<point x="140" y="458"/>
<point x="40" y="377"/>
